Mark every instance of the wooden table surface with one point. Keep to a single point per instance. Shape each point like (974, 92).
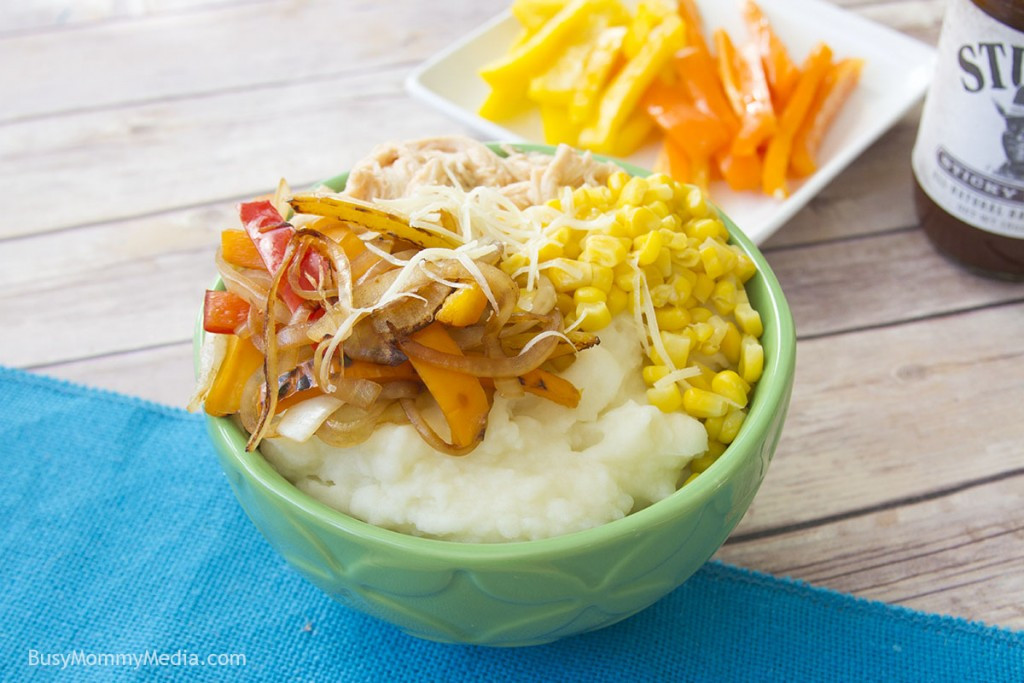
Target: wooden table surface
(129, 131)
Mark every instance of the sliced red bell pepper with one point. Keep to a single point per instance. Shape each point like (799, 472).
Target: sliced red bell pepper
(223, 312)
(271, 233)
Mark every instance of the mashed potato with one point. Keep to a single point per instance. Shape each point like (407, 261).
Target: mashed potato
(543, 470)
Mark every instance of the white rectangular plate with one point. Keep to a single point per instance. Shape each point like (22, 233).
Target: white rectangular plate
(896, 74)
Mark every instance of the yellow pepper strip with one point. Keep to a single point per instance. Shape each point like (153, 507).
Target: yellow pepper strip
(533, 14)
(599, 66)
(240, 360)
(370, 216)
(461, 397)
(621, 97)
(776, 158)
(463, 307)
(552, 387)
(513, 71)
(557, 84)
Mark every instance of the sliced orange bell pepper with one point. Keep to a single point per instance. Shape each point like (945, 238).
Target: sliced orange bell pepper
(359, 369)
(745, 85)
(238, 250)
(699, 132)
(836, 87)
(780, 69)
(552, 387)
(776, 160)
(461, 397)
(240, 360)
(740, 172)
(694, 25)
(697, 73)
(672, 160)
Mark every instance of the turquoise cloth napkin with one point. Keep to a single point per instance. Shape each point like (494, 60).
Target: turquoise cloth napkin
(125, 556)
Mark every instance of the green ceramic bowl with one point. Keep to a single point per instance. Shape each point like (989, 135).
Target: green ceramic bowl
(530, 592)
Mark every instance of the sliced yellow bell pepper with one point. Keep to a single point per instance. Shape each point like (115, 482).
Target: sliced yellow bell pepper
(600, 64)
(621, 96)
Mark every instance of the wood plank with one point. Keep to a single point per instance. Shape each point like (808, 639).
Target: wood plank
(883, 415)
(24, 16)
(161, 374)
(229, 48)
(961, 553)
(102, 166)
(877, 280)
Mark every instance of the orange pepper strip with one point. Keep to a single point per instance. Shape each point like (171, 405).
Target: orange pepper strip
(836, 87)
(746, 86)
(740, 172)
(552, 387)
(672, 160)
(776, 160)
(697, 131)
(697, 73)
(694, 31)
(240, 360)
(238, 250)
(782, 72)
(461, 397)
(359, 369)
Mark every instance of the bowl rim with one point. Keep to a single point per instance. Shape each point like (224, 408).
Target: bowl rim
(770, 393)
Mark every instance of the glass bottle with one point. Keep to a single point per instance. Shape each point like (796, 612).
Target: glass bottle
(968, 159)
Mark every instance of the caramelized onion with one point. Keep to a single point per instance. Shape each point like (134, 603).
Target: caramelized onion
(481, 366)
(427, 433)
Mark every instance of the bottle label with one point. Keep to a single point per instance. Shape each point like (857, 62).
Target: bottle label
(969, 154)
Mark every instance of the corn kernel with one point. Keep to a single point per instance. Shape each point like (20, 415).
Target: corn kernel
(550, 250)
(723, 296)
(695, 203)
(700, 314)
(617, 180)
(683, 284)
(717, 258)
(604, 250)
(664, 262)
(659, 188)
(749, 320)
(671, 222)
(632, 193)
(567, 275)
(667, 399)
(652, 373)
(513, 263)
(653, 275)
(715, 448)
(618, 300)
(593, 316)
(702, 462)
(705, 228)
(701, 403)
(647, 247)
(624, 276)
(751, 363)
(702, 330)
(602, 277)
(663, 295)
(713, 426)
(703, 287)
(730, 345)
(640, 221)
(564, 303)
(589, 295)
(672, 318)
(677, 346)
(703, 380)
(730, 385)
(745, 267)
(731, 424)
(659, 208)
(691, 478)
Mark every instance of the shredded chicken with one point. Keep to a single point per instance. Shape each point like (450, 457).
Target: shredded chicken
(395, 169)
